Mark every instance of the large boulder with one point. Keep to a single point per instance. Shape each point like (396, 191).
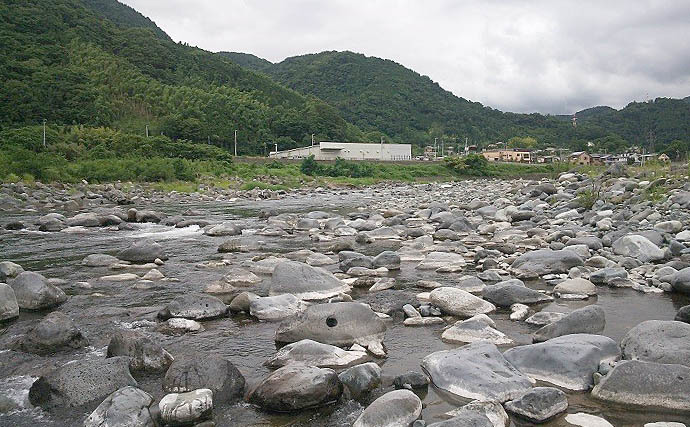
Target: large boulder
(466, 418)
(86, 219)
(477, 328)
(387, 259)
(194, 306)
(126, 407)
(505, 295)
(586, 320)
(143, 251)
(99, 260)
(9, 309)
(681, 281)
(186, 409)
(539, 404)
(54, 333)
(296, 387)
(568, 361)
(683, 314)
(144, 353)
(395, 408)
(305, 282)
(658, 341)
(9, 270)
(636, 246)
(81, 382)
(605, 276)
(312, 353)
(436, 260)
(577, 286)
(275, 308)
(476, 371)
(33, 292)
(457, 302)
(545, 261)
(361, 379)
(646, 385)
(205, 370)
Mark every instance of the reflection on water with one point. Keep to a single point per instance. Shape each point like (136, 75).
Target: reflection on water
(106, 306)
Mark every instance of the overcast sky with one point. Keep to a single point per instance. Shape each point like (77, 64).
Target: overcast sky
(546, 56)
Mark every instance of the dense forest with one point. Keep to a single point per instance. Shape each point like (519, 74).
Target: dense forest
(381, 95)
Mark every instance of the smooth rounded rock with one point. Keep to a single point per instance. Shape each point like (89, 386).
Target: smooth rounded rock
(143, 352)
(457, 302)
(9, 309)
(205, 370)
(587, 320)
(126, 407)
(183, 409)
(539, 404)
(54, 333)
(33, 292)
(143, 251)
(312, 353)
(361, 379)
(395, 408)
(194, 306)
(305, 282)
(658, 341)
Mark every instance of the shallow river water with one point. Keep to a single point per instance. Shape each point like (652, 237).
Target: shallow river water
(243, 340)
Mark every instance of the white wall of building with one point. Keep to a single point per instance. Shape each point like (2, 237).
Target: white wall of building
(349, 151)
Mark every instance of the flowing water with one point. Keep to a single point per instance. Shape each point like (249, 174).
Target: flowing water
(246, 342)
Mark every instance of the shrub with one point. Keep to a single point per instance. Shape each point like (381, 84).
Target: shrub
(472, 164)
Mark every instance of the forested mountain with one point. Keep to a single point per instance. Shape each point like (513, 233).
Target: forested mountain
(247, 60)
(100, 63)
(377, 94)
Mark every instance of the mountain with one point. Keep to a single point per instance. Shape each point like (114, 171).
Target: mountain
(247, 60)
(100, 63)
(377, 94)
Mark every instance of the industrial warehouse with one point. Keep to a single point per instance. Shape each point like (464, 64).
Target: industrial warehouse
(348, 151)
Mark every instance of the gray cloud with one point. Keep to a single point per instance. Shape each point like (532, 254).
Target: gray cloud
(546, 56)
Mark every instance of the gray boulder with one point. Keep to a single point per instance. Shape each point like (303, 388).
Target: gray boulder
(457, 302)
(395, 408)
(658, 341)
(224, 229)
(9, 270)
(639, 247)
(126, 407)
(305, 282)
(539, 404)
(81, 382)
(681, 281)
(296, 387)
(33, 292)
(411, 380)
(312, 353)
(568, 361)
(545, 261)
(683, 314)
(505, 295)
(606, 275)
(577, 286)
(646, 385)
(361, 379)
(586, 320)
(54, 333)
(143, 251)
(349, 259)
(466, 418)
(86, 219)
(476, 371)
(185, 409)
(275, 308)
(387, 259)
(194, 306)
(9, 309)
(205, 370)
(99, 260)
(144, 353)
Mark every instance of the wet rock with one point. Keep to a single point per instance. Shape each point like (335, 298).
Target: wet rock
(490, 409)
(646, 385)
(33, 292)
(143, 251)
(9, 270)
(544, 318)
(205, 370)
(476, 371)
(411, 381)
(475, 329)
(638, 247)
(435, 260)
(241, 303)
(99, 260)
(683, 314)
(305, 281)
(14, 226)
(587, 320)
(275, 308)
(395, 408)
(183, 409)
(296, 387)
(576, 286)
(681, 281)
(194, 306)
(519, 312)
(144, 353)
(539, 404)
(457, 302)
(340, 324)
(387, 259)
(87, 219)
(224, 229)
(54, 333)
(51, 225)
(586, 420)
(361, 379)
(505, 295)
(317, 259)
(658, 341)
(81, 382)
(568, 361)
(312, 353)
(545, 261)
(126, 407)
(606, 275)
(9, 309)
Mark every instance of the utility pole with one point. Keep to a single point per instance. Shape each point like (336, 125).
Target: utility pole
(435, 155)
(381, 149)
(443, 152)
(236, 143)
(147, 131)
(44, 133)
(312, 139)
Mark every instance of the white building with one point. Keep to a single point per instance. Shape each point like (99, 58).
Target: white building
(348, 151)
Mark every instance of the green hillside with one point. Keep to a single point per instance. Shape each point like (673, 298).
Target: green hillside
(377, 94)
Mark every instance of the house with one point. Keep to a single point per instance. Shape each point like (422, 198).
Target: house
(516, 155)
(664, 158)
(580, 158)
(348, 151)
